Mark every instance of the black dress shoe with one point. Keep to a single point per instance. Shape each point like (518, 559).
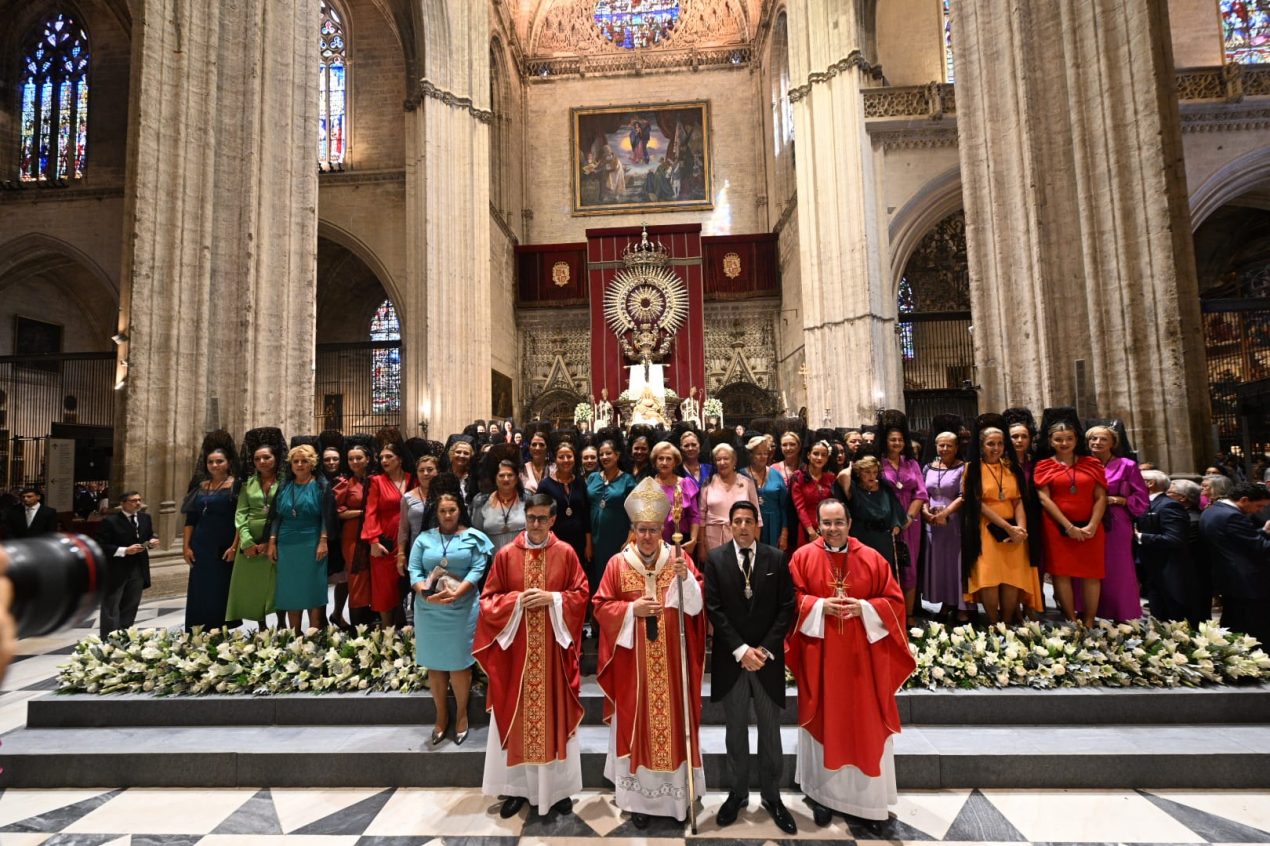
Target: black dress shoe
(822, 815)
(511, 806)
(730, 808)
(564, 806)
(640, 821)
(783, 819)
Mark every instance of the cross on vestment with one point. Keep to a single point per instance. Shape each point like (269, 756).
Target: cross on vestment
(839, 589)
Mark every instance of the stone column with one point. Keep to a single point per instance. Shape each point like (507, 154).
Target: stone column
(221, 230)
(447, 325)
(1081, 267)
(848, 311)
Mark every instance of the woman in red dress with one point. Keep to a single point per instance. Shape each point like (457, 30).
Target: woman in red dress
(809, 486)
(350, 504)
(383, 518)
(1072, 487)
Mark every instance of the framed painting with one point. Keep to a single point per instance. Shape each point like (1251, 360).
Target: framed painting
(641, 158)
(36, 338)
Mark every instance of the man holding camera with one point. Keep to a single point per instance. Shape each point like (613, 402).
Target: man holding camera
(126, 539)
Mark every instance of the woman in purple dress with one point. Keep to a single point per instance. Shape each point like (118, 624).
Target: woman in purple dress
(683, 494)
(941, 570)
(1127, 500)
(905, 477)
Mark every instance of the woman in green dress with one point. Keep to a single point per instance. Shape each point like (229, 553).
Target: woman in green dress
(251, 585)
(303, 521)
(876, 514)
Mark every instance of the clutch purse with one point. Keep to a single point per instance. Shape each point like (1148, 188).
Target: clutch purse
(999, 534)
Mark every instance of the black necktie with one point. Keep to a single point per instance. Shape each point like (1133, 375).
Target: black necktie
(748, 569)
(136, 530)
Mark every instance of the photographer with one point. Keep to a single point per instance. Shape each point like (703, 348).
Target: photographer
(126, 539)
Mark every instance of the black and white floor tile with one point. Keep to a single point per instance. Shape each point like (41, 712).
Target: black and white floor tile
(418, 817)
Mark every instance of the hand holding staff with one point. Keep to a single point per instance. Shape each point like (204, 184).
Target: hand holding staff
(681, 572)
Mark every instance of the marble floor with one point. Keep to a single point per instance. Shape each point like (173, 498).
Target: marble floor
(463, 817)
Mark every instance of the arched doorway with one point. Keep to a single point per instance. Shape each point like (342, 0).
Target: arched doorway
(58, 372)
(744, 401)
(1232, 257)
(936, 349)
(555, 405)
(357, 384)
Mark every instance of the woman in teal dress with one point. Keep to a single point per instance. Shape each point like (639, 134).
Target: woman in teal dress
(251, 585)
(446, 607)
(303, 520)
(607, 489)
(773, 495)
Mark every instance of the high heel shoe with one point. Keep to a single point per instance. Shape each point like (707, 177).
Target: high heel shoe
(460, 736)
(437, 736)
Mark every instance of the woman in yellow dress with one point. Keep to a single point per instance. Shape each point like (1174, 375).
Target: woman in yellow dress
(994, 532)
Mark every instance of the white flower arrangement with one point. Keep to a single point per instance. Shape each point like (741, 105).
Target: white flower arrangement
(713, 407)
(1037, 655)
(177, 663)
(1148, 653)
(582, 412)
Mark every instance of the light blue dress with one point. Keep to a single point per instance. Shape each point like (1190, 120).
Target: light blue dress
(301, 576)
(444, 633)
(773, 505)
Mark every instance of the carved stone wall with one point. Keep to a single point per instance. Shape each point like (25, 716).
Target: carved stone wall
(741, 343)
(555, 354)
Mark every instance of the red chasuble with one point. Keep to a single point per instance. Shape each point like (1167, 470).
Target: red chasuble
(642, 686)
(846, 685)
(534, 685)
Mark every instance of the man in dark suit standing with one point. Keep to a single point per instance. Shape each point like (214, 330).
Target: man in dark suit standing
(1239, 552)
(1164, 553)
(30, 517)
(126, 539)
(750, 600)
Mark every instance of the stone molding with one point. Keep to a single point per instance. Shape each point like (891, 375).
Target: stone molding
(1225, 120)
(635, 62)
(916, 138)
(425, 88)
(791, 208)
(360, 177)
(59, 195)
(854, 59)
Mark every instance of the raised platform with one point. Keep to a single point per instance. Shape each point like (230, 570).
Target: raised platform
(1206, 738)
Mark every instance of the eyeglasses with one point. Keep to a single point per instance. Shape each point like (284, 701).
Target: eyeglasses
(833, 524)
(538, 518)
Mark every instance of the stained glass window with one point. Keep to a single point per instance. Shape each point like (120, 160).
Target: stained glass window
(54, 131)
(332, 88)
(385, 376)
(948, 56)
(1246, 30)
(907, 350)
(636, 23)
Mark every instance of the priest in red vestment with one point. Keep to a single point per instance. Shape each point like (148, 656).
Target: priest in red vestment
(849, 651)
(528, 638)
(636, 608)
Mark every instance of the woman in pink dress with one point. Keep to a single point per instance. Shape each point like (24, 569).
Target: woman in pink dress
(1127, 500)
(681, 491)
(725, 487)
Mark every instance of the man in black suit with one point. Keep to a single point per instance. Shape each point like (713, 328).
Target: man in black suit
(126, 539)
(30, 517)
(1164, 553)
(750, 600)
(1239, 552)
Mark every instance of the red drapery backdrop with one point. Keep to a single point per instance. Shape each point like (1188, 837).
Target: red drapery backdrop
(686, 363)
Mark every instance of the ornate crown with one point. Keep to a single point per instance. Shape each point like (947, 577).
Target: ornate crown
(646, 253)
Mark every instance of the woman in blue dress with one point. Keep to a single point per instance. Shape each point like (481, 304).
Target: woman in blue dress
(304, 518)
(773, 496)
(446, 567)
(607, 489)
(211, 543)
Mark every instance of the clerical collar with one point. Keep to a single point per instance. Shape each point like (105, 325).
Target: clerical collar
(843, 548)
(529, 544)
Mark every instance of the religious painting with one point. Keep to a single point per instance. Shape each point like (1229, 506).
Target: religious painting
(37, 338)
(641, 158)
(501, 394)
(333, 411)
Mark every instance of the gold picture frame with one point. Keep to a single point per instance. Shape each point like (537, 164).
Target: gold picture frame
(640, 158)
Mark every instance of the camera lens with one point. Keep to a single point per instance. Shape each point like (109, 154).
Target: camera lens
(56, 581)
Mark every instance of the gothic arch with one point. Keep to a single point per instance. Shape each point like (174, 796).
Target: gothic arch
(937, 199)
(555, 405)
(339, 235)
(23, 248)
(37, 259)
(744, 401)
(1232, 180)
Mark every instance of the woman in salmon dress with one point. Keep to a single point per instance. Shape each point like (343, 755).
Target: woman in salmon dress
(994, 538)
(350, 505)
(1072, 487)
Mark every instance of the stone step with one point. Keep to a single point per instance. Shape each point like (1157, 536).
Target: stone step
(357, 755)
(1008, 707)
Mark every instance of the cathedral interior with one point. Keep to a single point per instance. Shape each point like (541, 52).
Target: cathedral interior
(921, 204)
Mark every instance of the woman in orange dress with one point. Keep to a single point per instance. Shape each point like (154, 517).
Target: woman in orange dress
(994, 536)
(1072, 487)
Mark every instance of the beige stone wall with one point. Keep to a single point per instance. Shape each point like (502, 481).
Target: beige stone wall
(1196, 33)
(736, 147)
(910, 39)
(367, 214)
(377, 85)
